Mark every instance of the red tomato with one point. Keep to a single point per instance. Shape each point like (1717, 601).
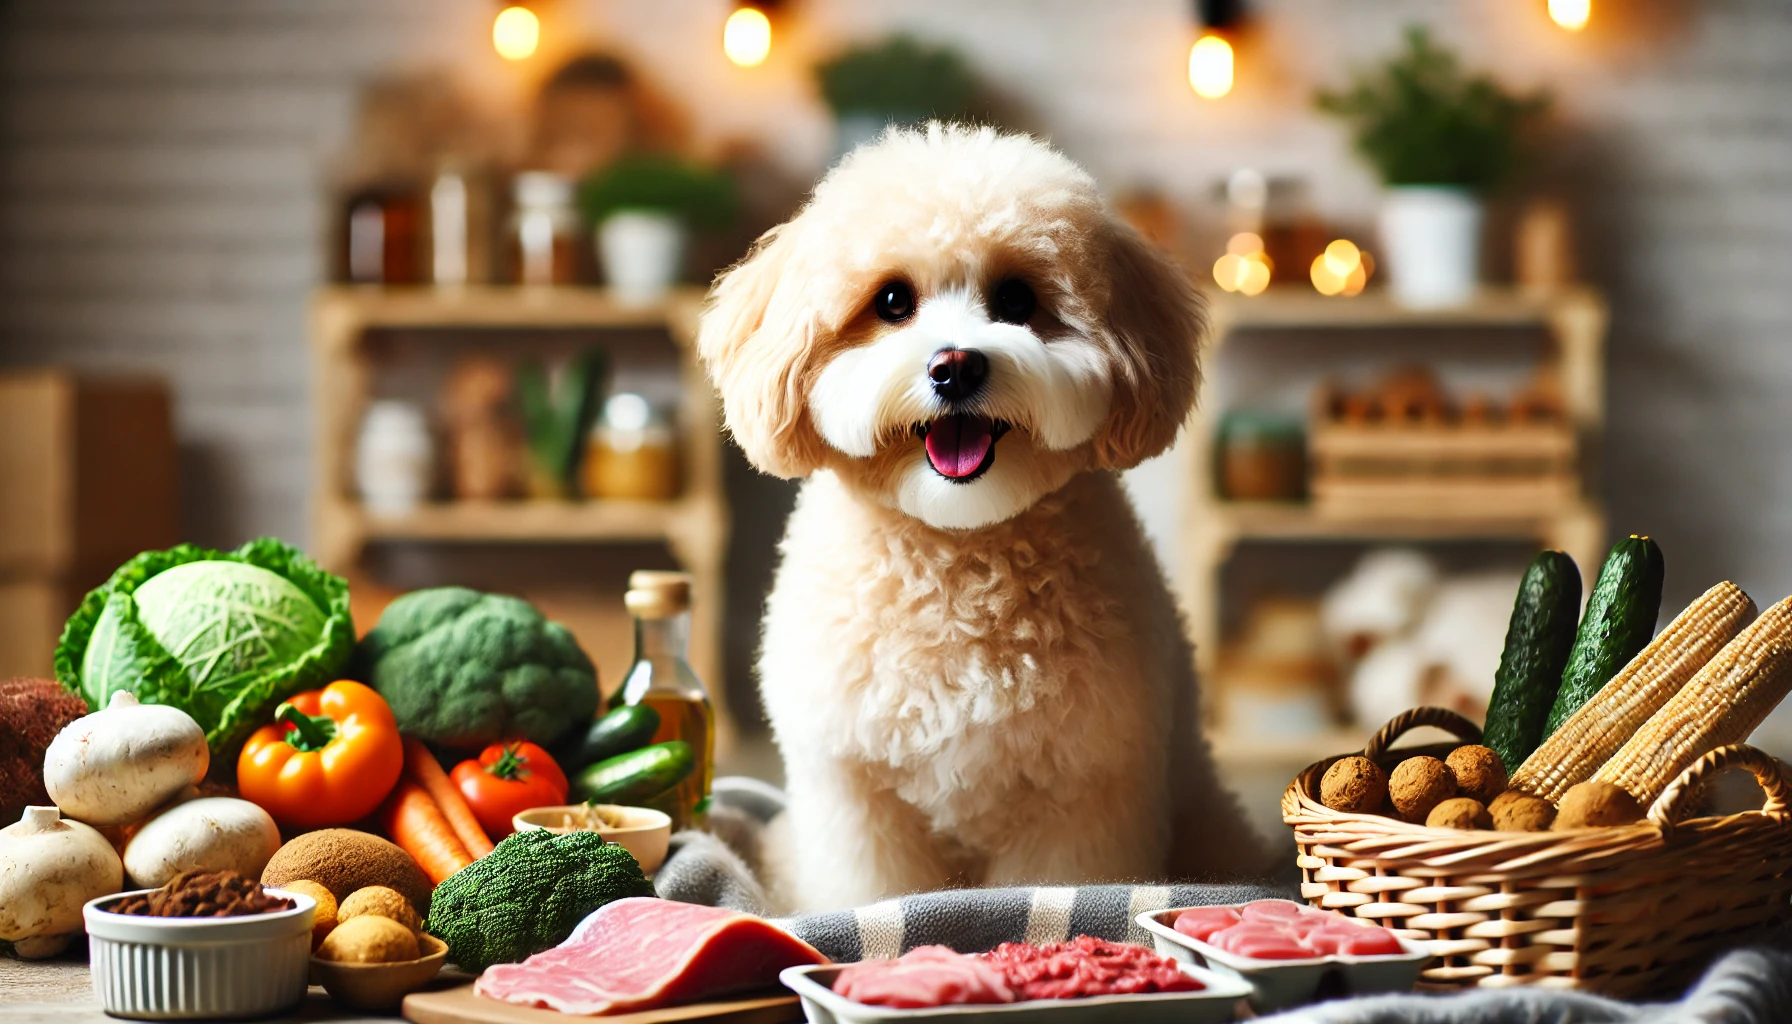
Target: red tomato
(509, 778)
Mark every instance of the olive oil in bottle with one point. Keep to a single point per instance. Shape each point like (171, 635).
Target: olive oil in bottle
(661, 678)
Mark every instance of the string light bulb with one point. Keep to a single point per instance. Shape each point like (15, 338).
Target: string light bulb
(1211, 60)
(747, 37)
(1210, 67)
(516, 33)
(1571, 14)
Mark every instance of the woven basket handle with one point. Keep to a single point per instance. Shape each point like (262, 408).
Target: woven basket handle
(1766, 769)
(1406, 721)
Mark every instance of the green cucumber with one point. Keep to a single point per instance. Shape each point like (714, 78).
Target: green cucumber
(1537, 643)
(635, 776)
(1619, 621)
(627, 728)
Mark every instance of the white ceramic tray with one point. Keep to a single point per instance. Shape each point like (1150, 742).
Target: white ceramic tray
(1278, 984)
(183, 968)
(1216, 1003)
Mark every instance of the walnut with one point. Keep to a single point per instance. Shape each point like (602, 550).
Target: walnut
(1418, 784)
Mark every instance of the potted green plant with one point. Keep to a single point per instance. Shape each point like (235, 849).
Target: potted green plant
(643, 207)
(1441, 139)
(900, 80)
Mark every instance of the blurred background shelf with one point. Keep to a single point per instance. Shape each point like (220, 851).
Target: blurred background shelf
(543, 521)
(571, 556)
(1233, 521)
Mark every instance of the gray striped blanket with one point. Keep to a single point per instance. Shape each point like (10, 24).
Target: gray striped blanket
(1744, 987)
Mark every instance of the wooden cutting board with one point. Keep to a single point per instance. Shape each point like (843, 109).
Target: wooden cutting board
(459, 1005)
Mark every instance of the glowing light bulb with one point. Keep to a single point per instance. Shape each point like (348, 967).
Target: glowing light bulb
(1210, 67)
(1571, 14)
(516, 33)
(1342, 256)
(747, 37)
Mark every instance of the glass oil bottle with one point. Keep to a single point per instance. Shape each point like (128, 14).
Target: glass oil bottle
(661, 678)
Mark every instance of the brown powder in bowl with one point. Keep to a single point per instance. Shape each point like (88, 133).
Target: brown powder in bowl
(204, 894)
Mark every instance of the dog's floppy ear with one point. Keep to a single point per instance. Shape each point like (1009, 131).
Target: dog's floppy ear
(1155, 321)
(756, 348)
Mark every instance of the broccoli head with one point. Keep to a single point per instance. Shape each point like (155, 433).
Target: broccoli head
(463, 668)
(528, 895)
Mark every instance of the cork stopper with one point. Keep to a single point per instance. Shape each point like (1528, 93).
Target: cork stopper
(658, 595)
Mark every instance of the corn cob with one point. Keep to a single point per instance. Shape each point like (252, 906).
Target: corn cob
(1594, 732)
(1721, 705)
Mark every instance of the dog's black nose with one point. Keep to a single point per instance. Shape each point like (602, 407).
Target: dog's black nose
(957, 373)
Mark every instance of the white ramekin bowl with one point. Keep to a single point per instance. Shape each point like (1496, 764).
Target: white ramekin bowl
(642, 831)
(183, 968)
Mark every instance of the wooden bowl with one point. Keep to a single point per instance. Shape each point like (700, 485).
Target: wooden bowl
(380, 986)
(643, 832)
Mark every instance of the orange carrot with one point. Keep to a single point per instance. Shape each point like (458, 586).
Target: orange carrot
(421, 767)
(416, 824)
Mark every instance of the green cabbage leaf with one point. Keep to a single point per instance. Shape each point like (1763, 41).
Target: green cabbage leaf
(224, 636)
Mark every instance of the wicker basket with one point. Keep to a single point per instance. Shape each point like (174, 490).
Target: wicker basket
(1621, 911)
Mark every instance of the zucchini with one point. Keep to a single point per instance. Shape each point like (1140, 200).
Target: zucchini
(635, 776)
(627, 728)
(1619, 621)
(1537, 643)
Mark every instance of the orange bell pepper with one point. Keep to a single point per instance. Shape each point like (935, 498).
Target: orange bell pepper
(329, 758)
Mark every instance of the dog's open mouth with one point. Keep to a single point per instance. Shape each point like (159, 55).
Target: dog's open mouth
(961, 447)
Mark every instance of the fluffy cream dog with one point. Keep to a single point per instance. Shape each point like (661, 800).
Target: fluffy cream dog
(972, 665)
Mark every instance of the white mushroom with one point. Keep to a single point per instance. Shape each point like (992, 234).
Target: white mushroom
(213, 833)
(49, 868)
(115, 766)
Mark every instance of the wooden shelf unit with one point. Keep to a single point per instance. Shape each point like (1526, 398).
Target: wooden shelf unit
(694, 527)
(1575, 322)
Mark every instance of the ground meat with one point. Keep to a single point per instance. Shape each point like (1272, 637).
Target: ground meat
(1086, 966)
(204, 894)
(1012, 972)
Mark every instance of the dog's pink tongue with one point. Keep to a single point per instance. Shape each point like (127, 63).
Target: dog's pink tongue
(957, 445)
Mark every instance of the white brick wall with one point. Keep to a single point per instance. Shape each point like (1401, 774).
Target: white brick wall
(162, 166)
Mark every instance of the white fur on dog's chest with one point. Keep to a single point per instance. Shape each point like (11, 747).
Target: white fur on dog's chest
(977, 676)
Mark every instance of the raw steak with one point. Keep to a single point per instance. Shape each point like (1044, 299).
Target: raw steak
(641, 953)
(924, 976)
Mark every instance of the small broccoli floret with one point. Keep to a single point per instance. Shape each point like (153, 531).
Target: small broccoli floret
(463, 668)
(528, 895)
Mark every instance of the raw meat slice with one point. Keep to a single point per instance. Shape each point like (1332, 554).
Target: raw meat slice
(1271, 910)
(1260, 942)
(641, 953)
(924, 976)
(1201, 922)
(1354, 940)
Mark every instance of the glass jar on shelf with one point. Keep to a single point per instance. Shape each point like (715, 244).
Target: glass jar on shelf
(544, 230)
(662, 679)
(1261, 456)
(633, 452)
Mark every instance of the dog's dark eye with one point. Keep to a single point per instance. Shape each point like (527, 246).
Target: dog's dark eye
(1012, 302)
(895, 302)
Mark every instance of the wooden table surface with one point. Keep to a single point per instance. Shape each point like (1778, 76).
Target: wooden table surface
(60, 992)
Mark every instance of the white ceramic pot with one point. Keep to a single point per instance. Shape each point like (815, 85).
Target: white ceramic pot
(394, 459)
(1431, 241)
(642, 252)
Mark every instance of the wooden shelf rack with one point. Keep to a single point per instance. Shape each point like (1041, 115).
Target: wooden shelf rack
(694, 527)
(1574, 321)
